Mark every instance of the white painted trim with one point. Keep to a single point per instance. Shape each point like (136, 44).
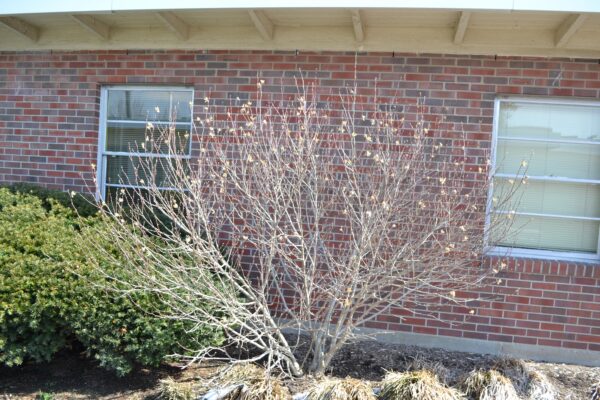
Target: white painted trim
(100, 164)
(151, 87)
(21, 27)
(523, 252)
(358, 25)
(568, 29)
(139, 122)
(109, 6)
(524, 139)
(175, 24)
(550, 179)
(541, 215)
(515, 252)
(102, 153)
(461, 26)
(146, 155)
(549, 100)
(262, 23)
(172, 189)
(93, 25)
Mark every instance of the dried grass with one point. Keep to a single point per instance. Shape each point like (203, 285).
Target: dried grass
(421, 363)
(416, 385)
(341, 389)
(170, 389)
(595, 395)
(260, 385)
(489, 385)
(516, 370)
(540, 388)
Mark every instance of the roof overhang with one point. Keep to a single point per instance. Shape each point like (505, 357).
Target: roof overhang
(103, 6)
(548, 28)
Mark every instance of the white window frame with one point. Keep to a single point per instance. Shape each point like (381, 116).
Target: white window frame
(535, 253)
(101, 165)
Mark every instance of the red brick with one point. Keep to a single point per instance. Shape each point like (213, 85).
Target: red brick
(550, 300)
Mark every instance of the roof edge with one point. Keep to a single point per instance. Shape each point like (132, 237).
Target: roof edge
(110, 6)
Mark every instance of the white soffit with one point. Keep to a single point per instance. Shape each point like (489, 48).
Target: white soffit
(549, 28)
(8, 7)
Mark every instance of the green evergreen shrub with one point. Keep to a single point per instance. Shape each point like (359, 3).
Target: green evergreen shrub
(51, 295)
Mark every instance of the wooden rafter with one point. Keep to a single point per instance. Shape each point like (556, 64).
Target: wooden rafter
(263, 24)
(174, 23)
(21, 27)
(358, 26)
(461, 27)
(93, 25)
(568, 28)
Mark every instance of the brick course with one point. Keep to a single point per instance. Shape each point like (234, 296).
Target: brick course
(49, 112)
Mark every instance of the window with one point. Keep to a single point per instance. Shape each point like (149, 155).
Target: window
(557, 213)
(141, 126)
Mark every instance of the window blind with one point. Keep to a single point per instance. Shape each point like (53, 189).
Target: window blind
(559, 208)
(144, 129)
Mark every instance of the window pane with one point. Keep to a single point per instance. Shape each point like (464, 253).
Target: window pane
(128, 137)
(545, 157)
(580, 161)
(551, 234)
(139, 105)
(550, 121)
(140, 171)
(182, 106)
(557, 198)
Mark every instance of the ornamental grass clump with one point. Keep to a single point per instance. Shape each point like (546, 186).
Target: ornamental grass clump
(416, 385)
(540, 388)
(437, 368)
(489, 385)
(595, 392)
(260, 385)
(515, 370)
(341, 389)
(170, 389)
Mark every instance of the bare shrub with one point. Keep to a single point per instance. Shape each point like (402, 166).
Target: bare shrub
(416, 385)
(332, 216)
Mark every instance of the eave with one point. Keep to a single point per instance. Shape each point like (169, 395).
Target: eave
(519, 27)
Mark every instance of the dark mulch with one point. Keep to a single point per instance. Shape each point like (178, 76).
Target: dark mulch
(370, 360)
(72, 376)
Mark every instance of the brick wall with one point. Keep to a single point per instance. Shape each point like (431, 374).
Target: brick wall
(49, 110)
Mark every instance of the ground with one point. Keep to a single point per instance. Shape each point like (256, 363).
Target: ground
(72, 376)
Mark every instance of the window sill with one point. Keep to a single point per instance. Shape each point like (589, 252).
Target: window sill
(543, 254)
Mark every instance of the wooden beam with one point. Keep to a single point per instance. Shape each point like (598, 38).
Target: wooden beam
(461, 27)
(568, 28)
(263, 24)
(174, 23)
(93, 25)
(358, 25)
(21, 27)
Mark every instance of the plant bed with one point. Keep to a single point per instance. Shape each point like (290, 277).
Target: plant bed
(72, 376)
